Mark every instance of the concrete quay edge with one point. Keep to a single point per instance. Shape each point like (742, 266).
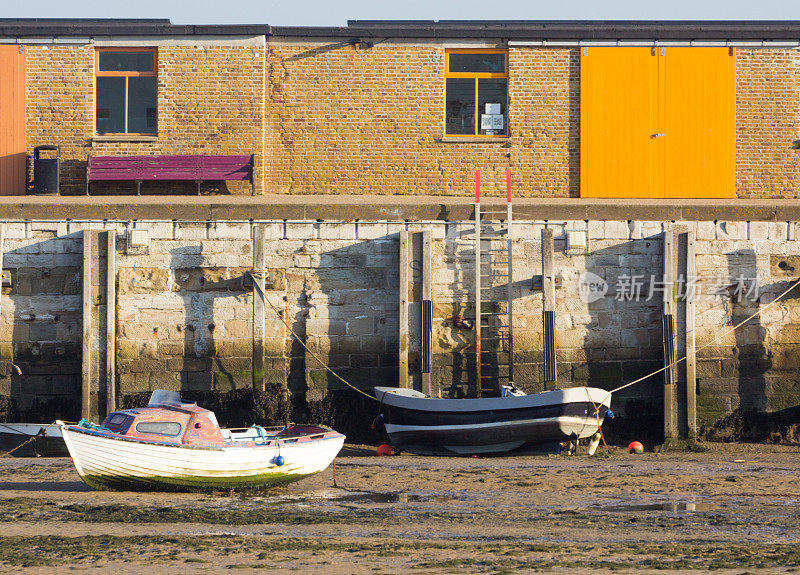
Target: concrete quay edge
(383, 208)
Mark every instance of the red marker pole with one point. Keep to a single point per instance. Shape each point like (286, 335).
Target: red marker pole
(508, 185)
(477, 186)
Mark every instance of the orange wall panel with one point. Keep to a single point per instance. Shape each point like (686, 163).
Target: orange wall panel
(657, 123)
(617, 101)
(700, 140)
(12, 120)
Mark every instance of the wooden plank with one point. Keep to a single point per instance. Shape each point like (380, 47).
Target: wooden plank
(427, 307)
(691, 360)
(668, 322)
(510, 284)
(403, 311)
(548, 308)
(259, 304)
(111, 321)
(13, 155)
(189, 168)
(2, 252)
(478, 352)
(86, 355)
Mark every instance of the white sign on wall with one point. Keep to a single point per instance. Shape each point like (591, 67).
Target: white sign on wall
(491, 121)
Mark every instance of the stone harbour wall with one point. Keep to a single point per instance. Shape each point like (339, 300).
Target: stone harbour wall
(184, 311)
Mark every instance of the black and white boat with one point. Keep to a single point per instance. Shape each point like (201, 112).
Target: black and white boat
(425, 425)
(48, 441)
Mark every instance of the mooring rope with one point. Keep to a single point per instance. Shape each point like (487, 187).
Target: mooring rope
(712, 342)
(42, 433)
(260, 274)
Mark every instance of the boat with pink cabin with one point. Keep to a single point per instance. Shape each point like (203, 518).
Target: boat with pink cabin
(177, 446)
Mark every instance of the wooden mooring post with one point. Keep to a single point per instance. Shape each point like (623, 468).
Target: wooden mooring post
(680, 410)
(416, 310)
(111, 321)
(548, 309)
(86, 355)
(691, 360)
(259, 304)
(669, 336)
(426, 354)
(403, 315)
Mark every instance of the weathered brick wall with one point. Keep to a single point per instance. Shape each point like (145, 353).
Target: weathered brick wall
(767, 122)
(348, 121)
(210, 101)
(544, 106)
(372, 121)
(339, 120)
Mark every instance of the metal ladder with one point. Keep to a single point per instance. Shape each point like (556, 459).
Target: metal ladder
(494, 351)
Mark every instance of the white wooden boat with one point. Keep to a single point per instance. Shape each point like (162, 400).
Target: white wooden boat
(47, 443)
(426, 425)
(171, 445)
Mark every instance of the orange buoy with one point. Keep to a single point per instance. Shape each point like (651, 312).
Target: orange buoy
(635, 447)
(384, 450)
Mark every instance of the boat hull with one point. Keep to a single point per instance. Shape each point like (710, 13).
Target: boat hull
(51, 444)
(112, 463)
(430, 426)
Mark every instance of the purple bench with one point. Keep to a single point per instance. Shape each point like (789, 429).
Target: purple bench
(177, 168)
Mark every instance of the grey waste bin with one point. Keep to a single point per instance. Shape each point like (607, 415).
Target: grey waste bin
(46, 171)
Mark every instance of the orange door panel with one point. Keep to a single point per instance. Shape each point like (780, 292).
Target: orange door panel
(657, 123)
(700, 125)
(12, 120)
(617, 108)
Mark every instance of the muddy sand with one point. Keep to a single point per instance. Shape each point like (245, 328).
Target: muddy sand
(733, 509)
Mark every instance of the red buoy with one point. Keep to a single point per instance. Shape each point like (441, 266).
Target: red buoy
(384, 450)
(635, 447)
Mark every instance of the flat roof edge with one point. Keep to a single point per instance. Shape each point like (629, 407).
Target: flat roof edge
(606, 30)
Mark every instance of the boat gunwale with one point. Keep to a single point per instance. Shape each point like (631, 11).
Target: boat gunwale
(111, 435)
(471, 405)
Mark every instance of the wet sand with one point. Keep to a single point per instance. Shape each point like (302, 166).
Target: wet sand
(733, 509)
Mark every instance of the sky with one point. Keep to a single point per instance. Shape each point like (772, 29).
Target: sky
(337, 12)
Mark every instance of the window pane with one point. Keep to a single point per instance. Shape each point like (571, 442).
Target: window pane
(460, 109)
(110, 105)
(493, 63)
(492, 105)
(125, 61)
(142, 105)
(170, 428)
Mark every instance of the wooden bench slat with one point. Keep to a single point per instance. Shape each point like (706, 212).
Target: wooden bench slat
(201, 167)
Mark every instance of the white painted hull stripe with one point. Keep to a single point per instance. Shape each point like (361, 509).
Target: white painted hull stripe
(563, 420)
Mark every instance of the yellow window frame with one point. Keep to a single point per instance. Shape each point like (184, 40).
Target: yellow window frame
(477, 76)
(123, 74)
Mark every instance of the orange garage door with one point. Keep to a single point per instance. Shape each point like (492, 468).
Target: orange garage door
(12, 120)
(657, 123)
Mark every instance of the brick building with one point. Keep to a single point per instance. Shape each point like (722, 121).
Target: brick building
(390, 108)
(360, 135)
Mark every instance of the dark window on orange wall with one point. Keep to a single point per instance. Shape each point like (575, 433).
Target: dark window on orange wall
(170, 428)
(476, 93)
(126, 91)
